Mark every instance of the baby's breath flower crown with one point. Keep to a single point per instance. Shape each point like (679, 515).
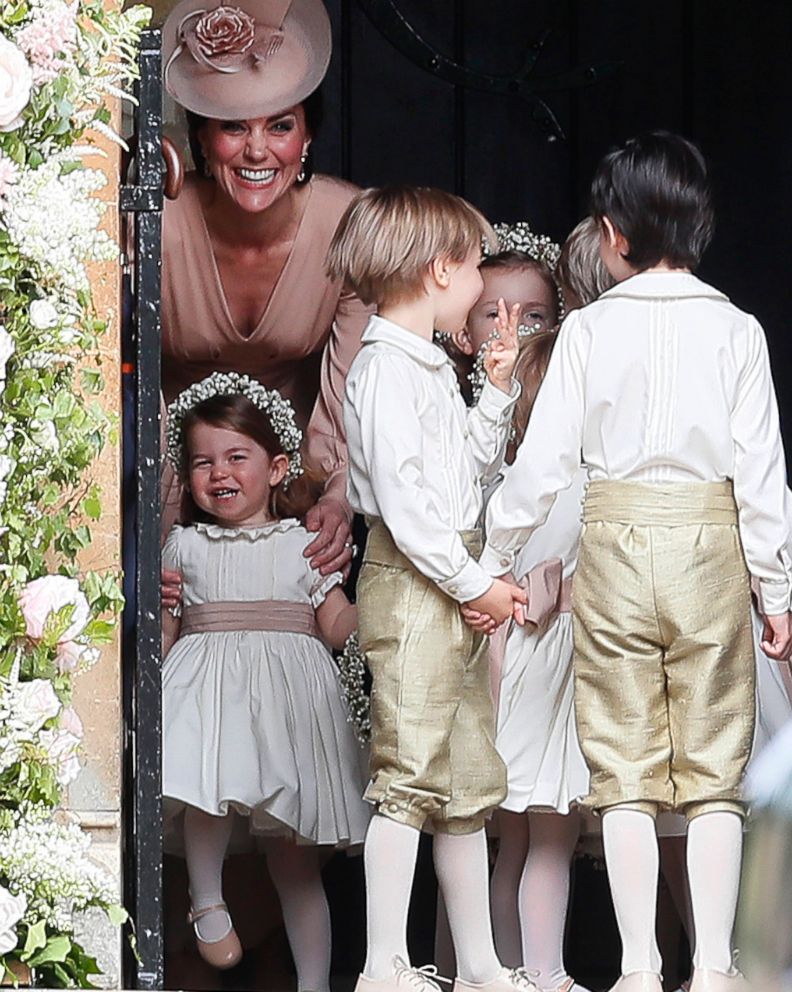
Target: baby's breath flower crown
(278, 411)
(520, 237)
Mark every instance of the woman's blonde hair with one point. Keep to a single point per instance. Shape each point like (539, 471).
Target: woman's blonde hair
(388, 237)
(529, 371)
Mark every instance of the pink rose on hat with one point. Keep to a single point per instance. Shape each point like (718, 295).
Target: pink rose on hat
(16, 78)
(50, 594)
(225, 31)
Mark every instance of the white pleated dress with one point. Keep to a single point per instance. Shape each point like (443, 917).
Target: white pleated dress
(536, 732)
(254, 720)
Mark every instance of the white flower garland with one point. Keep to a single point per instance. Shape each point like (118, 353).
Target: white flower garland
(352, 675)
(279, 412)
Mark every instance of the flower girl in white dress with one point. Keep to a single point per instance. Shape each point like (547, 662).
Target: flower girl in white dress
(253, 716)
(538, 822)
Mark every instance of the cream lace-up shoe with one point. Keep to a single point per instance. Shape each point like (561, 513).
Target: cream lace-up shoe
(706, 980)
(639, 981)
(509, 980)
(405, 978)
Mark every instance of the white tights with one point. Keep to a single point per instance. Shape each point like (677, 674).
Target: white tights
(714, 856)
(530, 891)
(632, 858)
(461, 866)
(296, 875)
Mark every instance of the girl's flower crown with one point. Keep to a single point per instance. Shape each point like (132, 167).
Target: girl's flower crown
(520, 237)
(279, 412)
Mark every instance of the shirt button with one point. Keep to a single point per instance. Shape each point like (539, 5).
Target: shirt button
(505, 561)
(453, 590)
(466, 433)
(393, 807)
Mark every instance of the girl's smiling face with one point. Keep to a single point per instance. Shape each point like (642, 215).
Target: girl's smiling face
(231, 476)
(524, 285)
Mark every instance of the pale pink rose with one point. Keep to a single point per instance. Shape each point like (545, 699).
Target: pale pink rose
(68, 656)
(12, 909)
(50, 594)
(71, 723)
(16, 78)
(36, 703)
(225, 31)
(62, 750)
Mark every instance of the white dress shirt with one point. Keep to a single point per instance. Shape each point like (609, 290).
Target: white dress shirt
(417, 456)
(660, 380)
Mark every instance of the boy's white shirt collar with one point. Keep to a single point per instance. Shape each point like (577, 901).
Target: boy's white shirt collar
(662, 285)
(423, 351)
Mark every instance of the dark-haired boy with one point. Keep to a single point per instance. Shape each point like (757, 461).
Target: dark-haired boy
(665, 389)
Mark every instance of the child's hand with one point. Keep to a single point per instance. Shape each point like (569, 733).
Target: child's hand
(502, 351)
(501, 601)
(777, 638)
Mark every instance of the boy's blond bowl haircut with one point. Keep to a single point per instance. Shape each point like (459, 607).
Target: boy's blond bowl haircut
(388, 237)
(580, 270)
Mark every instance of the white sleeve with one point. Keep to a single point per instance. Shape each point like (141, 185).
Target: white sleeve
(760, 483)
(385, 402)
(171, 551)
(548, 458)
(489, 424)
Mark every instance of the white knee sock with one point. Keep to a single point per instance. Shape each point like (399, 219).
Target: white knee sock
(295, 873)
(632, 858)
(389, 856)
(462, 872)
(505, 885)
(714, 855)
(444, 957)
(205, 841)
(544, 895)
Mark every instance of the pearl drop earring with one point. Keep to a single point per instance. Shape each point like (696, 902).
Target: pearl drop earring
(301, 173)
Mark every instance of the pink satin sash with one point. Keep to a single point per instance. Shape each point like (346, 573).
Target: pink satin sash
(276, 615)
(549, 594)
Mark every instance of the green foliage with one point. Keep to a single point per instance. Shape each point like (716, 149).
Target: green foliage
(52, 429)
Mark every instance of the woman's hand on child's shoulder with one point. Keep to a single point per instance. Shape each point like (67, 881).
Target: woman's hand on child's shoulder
(170, 589)
(502, 351)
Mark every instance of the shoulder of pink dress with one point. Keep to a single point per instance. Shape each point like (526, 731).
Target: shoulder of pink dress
(333, 194)
(177, 212)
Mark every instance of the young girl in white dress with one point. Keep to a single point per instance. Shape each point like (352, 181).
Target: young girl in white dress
(536, 734)
(537, 738)
(253, 717)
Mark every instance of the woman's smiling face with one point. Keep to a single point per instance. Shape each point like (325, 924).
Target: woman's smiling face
(254, 162)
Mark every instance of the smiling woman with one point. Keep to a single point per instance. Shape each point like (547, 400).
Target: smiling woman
(244, 287)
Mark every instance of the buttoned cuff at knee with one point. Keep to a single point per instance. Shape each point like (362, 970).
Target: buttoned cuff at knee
(692, 810)
(459, 825)
(640, 806)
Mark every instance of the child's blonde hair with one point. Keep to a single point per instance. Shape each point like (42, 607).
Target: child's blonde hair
(529, 371)
(580, 271)
(388, 237)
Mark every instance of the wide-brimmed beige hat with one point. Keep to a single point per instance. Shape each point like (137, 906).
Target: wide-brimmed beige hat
(249, 58)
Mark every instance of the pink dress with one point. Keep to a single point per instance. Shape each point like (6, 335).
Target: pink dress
(306, 337)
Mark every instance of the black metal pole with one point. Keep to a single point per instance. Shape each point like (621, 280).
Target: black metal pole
(144, 199)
